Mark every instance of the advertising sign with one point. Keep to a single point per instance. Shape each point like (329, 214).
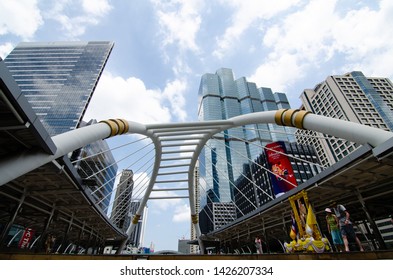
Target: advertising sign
(283, 178)
(26, 238)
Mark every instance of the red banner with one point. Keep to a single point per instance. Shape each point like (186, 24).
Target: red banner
(26, 238)
(283, 178)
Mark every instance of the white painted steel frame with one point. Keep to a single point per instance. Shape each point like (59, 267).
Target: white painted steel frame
(200, 132)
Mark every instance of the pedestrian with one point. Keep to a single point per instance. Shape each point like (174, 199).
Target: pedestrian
(49, 243)
(346, 226)
(334, 230)
(258, 244)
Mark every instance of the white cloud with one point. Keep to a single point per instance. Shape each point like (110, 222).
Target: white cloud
(180, 22)
(366, 44)
(116, 97)
(96, 7)
(278, 73)
(182, 214)
(21, 18)
(174, 93)
(305, 40)
(5, 49)
(167, 205)
(246, 13)
(76, 16)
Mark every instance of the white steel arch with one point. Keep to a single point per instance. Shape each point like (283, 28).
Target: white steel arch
(194, 134)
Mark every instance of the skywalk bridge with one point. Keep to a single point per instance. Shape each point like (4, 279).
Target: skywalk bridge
(40, 188)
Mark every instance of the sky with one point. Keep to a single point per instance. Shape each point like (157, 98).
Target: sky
(162, 48)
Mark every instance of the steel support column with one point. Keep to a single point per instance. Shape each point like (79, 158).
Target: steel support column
(12, 219)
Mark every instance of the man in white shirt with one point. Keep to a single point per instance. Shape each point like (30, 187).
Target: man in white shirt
(346, 226)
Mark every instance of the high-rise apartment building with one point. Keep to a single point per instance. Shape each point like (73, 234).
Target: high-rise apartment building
(222, 97)
(352, 97)
(121, 211)
(58, 79)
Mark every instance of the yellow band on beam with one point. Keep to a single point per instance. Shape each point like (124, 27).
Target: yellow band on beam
(113, 126)
(120, 126)
(194, 219)
(298, 121)
(278, 116)
(136, 219)
(288, 117)
(126, 126)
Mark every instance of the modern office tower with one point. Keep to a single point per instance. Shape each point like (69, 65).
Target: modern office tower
(352, 97)
(256, 186)
(222, 97)
(58, 79)
(122, 202)
(97, 167)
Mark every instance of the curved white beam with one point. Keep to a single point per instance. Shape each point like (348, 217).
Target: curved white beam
(17, 165)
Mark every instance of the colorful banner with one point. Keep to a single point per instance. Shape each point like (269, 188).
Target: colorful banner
(26, 238)
(283, 178)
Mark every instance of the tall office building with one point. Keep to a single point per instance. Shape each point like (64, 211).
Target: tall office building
(352, 97)
(222, 97)
(58, 79)
(121, 211)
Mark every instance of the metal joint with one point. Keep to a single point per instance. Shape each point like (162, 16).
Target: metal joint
(298, 121)
(278, 116)
(288, 117)
(194, 219)
(136, 219)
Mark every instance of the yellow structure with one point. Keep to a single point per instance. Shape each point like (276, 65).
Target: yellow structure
(308, 236)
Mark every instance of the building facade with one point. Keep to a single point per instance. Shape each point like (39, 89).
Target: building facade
(183, 246)
(58, 79)
(256, 185)
(121, 211)
(352, 97)
(222, 97)
(224, 156)
(215, 215)
(221, 162)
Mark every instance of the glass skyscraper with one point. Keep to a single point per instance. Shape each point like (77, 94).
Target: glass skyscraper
(222, 97)
(58, 79)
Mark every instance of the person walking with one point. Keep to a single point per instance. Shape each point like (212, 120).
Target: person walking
(346, 226)
(258, 244)
(334, 230)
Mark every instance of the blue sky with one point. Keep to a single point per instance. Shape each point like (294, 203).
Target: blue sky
(163, 47)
